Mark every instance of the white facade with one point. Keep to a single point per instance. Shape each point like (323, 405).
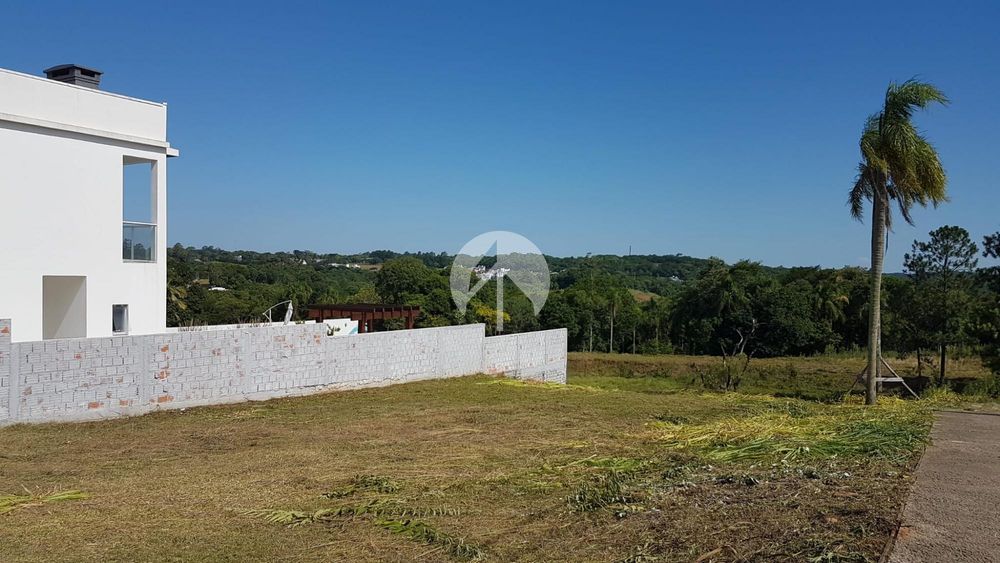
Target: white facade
(63, 155)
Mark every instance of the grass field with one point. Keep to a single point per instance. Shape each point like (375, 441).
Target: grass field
(620, 465)
(818, 377)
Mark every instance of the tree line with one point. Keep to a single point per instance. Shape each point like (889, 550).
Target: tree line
(943, 301)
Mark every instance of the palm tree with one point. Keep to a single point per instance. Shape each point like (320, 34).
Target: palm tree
(831, 299)
(177, 299)
(899, 165)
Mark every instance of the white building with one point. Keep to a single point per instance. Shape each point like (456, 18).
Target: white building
(83, 191)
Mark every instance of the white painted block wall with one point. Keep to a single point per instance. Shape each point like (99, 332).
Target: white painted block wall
(7, 392)
(88, 378)
(539, 356)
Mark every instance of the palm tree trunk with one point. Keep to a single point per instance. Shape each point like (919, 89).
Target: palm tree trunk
(875, 300)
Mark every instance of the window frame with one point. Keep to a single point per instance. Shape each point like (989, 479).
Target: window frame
(128, 252)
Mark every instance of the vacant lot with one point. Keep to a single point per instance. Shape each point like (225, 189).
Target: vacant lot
(609, 468)
(816, 377)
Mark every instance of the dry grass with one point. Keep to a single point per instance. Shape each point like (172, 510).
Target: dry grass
(30, 499)
(814, 377)
(444, 470)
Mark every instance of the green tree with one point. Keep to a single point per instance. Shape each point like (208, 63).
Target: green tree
(401, 276)
(830, 299)
(721, 308)
(790, 322)
(586, 305)
(559, 313)
(907, 325)
(942, 268)
(898, 165)
(365, 294)
(656, 322)
(990, 309)
(177, 301)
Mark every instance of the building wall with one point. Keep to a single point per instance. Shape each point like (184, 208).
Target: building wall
(62, 203)
(39, 99)
(87, 378)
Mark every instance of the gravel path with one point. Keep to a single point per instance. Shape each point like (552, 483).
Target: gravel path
(953, 512)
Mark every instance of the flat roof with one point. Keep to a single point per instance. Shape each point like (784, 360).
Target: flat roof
(83, 88)
(47, 105)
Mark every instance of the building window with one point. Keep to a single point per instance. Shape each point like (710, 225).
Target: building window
(138, 210)
(139, 242)
(119, 319)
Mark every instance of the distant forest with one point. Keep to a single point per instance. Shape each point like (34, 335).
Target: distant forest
(633, 304)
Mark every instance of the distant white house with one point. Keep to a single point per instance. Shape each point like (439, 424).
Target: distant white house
(484, 273)
(83, 187)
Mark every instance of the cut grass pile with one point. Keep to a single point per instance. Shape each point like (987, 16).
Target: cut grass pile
(11, 502)
(609, 468)
(776, 429)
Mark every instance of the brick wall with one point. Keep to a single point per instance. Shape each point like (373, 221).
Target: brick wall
(86, 378)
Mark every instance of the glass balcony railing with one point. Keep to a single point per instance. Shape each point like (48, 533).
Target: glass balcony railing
(139, 242)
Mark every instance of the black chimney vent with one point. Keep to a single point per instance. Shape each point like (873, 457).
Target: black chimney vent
(75, 74)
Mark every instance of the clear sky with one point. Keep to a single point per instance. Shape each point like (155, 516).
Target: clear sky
(702, 128)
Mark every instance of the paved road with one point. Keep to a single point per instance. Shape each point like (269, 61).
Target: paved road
(953, 512)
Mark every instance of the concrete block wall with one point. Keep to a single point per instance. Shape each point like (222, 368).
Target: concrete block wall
(60, 378)
(540, 356)
(88, 378)
(212, 366)
(384, 358)
(6, 386)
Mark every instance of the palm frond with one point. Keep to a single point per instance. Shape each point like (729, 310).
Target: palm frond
(930, 173)
(871, 142)
(902, 99)
(291, 518)
(899, 165)
(905, 204)
(863, 190)
(420, 531)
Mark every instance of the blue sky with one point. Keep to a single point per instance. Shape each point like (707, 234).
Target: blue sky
(709, 128)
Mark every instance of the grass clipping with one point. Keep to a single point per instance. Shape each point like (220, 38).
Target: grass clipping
(11, 502)
(776, 429)
(389, 513)
(420, 531)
